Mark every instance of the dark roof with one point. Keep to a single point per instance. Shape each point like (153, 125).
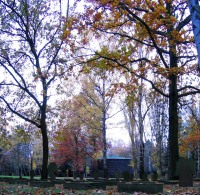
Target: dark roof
(115, 157)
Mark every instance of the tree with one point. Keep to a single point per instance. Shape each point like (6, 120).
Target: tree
(96, 94)
(119, 148)
(195, 16)
(158, 118)
(4, 133)
(16, 150)
(190, 134)
(162, 28)
(5, 139)
(79, 136)
(105, 90)
(30, 39)
(137, 105)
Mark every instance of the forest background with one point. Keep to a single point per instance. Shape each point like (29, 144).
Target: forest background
(142, 53)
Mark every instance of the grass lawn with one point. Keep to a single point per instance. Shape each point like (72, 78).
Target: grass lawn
(17, 177)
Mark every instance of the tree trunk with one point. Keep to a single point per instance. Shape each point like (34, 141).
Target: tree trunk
(105, 168)
(195, 16)
(141, 131)
(45, 143)
(173, 154)
(159, 150)
(198, 160)
(160, 137)
(141, 160)
(104, 148)
(135, 160)
(173, 150)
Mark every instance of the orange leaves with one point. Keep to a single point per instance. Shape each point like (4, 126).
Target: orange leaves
(97, 16)
(126, 26)
(128, 88)
(191, 141)
(70, 26)
(167, 72)
(79, 126)
(176, 37)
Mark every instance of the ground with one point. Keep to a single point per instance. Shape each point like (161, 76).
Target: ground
(8, 189)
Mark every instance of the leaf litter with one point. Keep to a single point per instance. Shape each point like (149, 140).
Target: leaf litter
(16, 189)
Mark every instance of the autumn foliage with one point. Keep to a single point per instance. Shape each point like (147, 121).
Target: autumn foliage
(78, 137)
(151, 40)
(191, 141)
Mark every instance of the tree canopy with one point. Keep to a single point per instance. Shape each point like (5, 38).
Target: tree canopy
(30, 59)
(140, 43)
(160, 28)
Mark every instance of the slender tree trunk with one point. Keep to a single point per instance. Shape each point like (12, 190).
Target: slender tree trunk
(104, 111)
(105, 151)
(131, 126)
(141, 160)
(160, 137)
(18, 162)
(135, 159)
(104, 134)
(159, 150)
(141, 132)
(198, 160)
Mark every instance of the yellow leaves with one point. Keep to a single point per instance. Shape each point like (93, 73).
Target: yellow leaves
(191, 140)
(117, 15)
(70, 25)
(34, 166)
(172, 19)
(159, 10)
(66, 34)
(59, 136)
(176, 71)
(128, 2)
(130, 88)
(154, 17)
(176, 36)
(166, 72)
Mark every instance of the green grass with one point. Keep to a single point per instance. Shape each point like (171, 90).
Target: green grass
(17, 177)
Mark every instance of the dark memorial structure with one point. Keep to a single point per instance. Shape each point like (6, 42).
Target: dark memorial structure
(116, 166)
(185, 170)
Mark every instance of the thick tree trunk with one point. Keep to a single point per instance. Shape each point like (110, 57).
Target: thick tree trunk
(195, 16)
(173, 154)
(44, 173)
(44, 132)
(173, 149)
